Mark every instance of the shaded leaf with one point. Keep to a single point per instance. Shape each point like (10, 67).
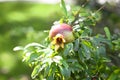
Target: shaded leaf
(65, 64)
(65, 72)
(67, 49)
(33, 57)
(86, 49)
(76, 45)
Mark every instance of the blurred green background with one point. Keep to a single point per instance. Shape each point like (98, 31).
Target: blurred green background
(24, 22)
(20, 24)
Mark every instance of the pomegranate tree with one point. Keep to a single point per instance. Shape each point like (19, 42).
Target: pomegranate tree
(84, 58)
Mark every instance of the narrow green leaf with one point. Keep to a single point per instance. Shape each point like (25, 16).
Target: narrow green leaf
(47, 70)
(81, 54)
(37, 70)
(76, 45)
(18, 48)
(34, 45)
(65, 64)
(64, 7)
(107, 32)
(86, 49)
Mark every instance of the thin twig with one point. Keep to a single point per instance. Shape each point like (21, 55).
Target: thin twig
(100, 8)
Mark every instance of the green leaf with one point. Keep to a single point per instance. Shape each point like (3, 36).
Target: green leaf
(107, 32)
(80, 54)
(64, 63)
(115, 75)
(57, 59)
(116, 44)
(50, 77)
(47, 70)
(18, 48)
(67, 49)
(33, 57)
(76, 45)
(37, 70)
(34, 45)
(86, 49)
(101, 50)
(64, 7)
(72, 60)
(101, 40)
(65, 72)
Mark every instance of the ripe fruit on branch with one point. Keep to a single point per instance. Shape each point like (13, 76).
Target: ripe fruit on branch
(61, 34)
(64, 29)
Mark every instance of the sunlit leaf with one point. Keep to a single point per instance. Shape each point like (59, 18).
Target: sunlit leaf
(57, 59)
(115, 75)
(107, 33)
(34, 45)
(18, 48)
(35, 71)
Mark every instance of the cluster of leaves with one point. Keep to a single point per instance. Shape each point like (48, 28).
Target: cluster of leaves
(116, 41)
(84, 58)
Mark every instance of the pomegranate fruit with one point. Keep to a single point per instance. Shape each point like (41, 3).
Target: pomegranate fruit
(61, 34)
(64, 29)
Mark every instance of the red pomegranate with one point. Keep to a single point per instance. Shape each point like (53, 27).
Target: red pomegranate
(61, 34)
(64, 29)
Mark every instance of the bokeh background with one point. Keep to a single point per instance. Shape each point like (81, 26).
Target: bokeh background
(23, 21)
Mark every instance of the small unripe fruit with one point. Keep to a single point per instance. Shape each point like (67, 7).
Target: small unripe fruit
(64, 29)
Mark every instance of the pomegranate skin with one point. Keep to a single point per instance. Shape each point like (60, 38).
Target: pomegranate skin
(63, 29)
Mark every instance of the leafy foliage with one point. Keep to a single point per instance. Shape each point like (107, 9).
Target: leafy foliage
(84, 58)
